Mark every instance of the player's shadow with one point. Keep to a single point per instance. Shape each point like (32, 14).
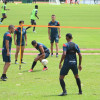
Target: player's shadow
(31, 72)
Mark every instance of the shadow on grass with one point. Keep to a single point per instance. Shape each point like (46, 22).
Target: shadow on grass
(33, 71)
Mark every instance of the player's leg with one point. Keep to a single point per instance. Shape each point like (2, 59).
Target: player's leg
(22, 51)
(75, 72)
(30, 26)
(56, 42)
(52, 42)
(3, 17)
(16, 54)
(34, 23)
(34, 63)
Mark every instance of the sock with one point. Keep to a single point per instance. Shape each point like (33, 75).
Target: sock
(34, 63)
(3, 75)
(45, 66)
(33, 28)
(2, 19)
(79, 84)
(62, 83)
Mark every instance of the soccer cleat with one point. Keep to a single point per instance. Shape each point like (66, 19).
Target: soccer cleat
(80, 93)
(63, 94)
(1, 23)
(34, 31)
(16, 62)
(31, 70)
(23, 62)
(3, 78)
(52, 55)
(44, 69)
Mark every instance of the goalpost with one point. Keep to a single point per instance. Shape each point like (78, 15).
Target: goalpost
(56, 2)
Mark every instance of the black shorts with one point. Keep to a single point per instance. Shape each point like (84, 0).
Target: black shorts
(33, 22)
(5, 57)
(55, 38)
(46, 54)
(66, 67)
(4, 14)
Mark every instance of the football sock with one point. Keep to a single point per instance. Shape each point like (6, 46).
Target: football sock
(79, 84)
(2, 19)
(45, 66)
(33, 28)
(3, 75)
(34, 63)
(62, 83)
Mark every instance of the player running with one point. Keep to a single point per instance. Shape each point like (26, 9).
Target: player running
(70, 62)
(3, 12)
(33, 17)
(17, 41)
(6, 50)
(44, 53)
(53, 34)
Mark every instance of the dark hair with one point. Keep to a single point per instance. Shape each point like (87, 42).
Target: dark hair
(33, 42)
(53, 15)
(21, 21)
(5, 2)
(36, 6)
(10, 27)
(69, 35)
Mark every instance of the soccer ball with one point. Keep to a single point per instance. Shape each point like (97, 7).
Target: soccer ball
(44, 62)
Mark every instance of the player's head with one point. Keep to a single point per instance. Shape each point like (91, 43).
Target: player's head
(5, 2)
(11, 28)
(21, 22)
(34, 43)
(53, 17)
(69, 37)
(36, 6)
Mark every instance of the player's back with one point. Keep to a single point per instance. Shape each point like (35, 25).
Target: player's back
(71, 50)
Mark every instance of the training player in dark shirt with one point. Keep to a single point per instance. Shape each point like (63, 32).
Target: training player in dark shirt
(53, 34)
(17, 41)
(6, 50)
(70, 62)
(44, 53)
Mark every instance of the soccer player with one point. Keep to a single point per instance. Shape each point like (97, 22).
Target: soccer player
(44, 53)
(33, 17)
(53, 34)
(3, 12)
(6, 50)
(76, 2)
(17, 41)
(70, 62)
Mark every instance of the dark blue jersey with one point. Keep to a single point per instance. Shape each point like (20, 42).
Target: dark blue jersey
(7, 36)
(18, 33)
(71, 50)
(44, 47)
(54, 31)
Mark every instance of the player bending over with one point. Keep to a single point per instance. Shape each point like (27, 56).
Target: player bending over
(6, 50)
(17, 41)
(70, 62)
(33, 17)
(44, 53)
(3, 12)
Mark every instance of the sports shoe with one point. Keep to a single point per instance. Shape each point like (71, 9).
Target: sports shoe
(1, 23)
(23, 62)
(16, 62)
(44, 69)
(57, 55)
(52, 55)
(80, 93)
(3, 78)
(63, 94)
(34, 31)
(31, 70)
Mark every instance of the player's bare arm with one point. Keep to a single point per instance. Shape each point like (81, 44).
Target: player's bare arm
(49, 33)
(15, 39)
(59, 32)
(36, 15)
(80, 60)
(26, 39)
(7, 47)
(62, 58)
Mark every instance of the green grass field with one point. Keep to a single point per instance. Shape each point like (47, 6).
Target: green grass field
(40, 85)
